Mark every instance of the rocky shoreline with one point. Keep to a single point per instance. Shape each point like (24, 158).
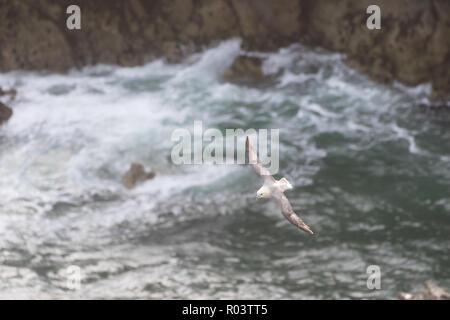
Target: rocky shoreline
(5, 111)
(430, 292)
(412, 45)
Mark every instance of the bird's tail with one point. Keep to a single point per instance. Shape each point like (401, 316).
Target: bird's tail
(285, 184)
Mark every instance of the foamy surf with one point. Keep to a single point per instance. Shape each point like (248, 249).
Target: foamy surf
(353, 150)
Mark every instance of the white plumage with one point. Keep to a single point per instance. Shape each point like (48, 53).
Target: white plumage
(275, 189)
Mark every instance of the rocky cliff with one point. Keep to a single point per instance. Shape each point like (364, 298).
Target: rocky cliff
(413, 45)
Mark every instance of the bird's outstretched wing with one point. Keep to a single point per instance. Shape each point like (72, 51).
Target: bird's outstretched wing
(256, 165)
(289, 213)
(286, 207)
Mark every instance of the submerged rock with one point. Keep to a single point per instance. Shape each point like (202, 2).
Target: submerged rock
(431, 292)
(10, 92)
(5, 113)
(136, 174)
(245, 67)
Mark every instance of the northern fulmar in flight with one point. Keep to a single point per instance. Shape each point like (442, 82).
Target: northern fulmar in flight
(274, 188)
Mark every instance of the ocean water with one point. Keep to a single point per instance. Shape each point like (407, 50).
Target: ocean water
(370, 165)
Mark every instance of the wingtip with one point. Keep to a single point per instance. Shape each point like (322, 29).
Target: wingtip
(307, 229)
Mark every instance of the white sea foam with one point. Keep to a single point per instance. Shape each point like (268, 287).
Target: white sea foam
(89, 124)
(72, 136)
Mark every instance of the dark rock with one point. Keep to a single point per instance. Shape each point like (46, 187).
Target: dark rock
(245, 67)
(10, 92)
(5, 113)
(269, 24)
(136, 174)
(412, 45)
(431, 292)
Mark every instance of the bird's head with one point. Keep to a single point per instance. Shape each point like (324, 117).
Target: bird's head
(261, 194)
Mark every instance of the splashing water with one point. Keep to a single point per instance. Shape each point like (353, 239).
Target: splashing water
(370, 169)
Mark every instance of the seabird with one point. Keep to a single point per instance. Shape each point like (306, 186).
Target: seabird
(274, 188)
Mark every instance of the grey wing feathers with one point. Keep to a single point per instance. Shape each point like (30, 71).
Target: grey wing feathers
(286, 207)
(289, 213)
(256, 165)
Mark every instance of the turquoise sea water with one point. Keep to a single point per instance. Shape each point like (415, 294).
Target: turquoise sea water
(370, 165)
